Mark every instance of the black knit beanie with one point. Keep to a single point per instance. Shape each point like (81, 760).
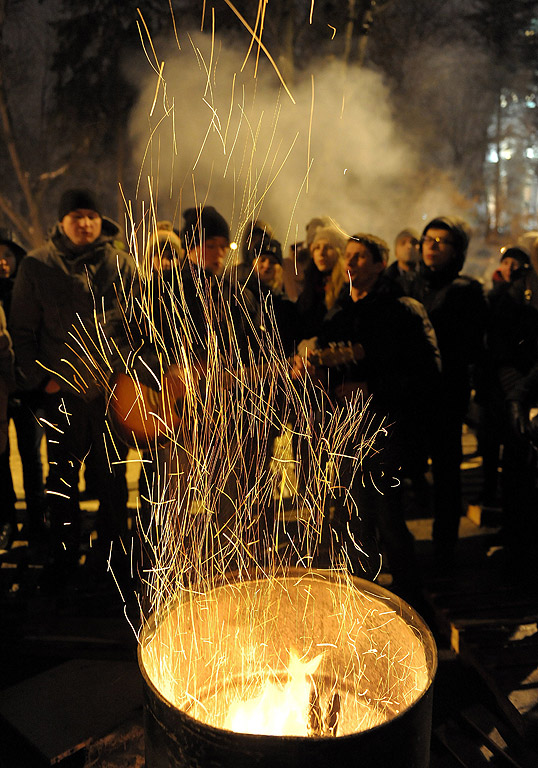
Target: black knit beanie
(516, 253)
(271, 248)
(73, 199)
(204, 222)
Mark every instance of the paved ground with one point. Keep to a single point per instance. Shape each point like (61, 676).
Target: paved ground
(484, 617)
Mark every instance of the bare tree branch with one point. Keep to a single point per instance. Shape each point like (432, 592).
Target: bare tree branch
(34, 232)
(50, 175)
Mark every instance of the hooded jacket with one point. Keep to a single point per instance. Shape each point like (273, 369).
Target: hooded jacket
(62, 291)
(7, 283)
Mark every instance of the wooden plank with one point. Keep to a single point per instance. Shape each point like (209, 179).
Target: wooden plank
(501, 635)
(502, 702)
(499, 736)
(64, 709)
(489, 638)
(487, 517)
(505, 617)
(468, 752)
(487, 606)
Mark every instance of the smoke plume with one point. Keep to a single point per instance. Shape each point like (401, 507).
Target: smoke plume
(210, 130)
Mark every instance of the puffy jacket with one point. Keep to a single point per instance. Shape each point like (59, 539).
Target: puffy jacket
(64, 298)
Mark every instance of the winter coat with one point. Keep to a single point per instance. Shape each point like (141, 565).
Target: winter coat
(7, 283)
(400, 362)
(65, 297)
(273, 311)
(191, 304)
(512, 337)
(457, 309)
(403, 279)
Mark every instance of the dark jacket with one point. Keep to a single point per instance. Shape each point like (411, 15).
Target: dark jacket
(457, 308)
(193, 309)
(7, 283)
(512, 336)
(403, 279)
(311, 304)
(399, 365)
(274, 315)
(64, 298)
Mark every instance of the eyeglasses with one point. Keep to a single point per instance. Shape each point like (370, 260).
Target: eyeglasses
(427, 240)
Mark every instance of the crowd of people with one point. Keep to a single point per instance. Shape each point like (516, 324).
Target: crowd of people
(427, 336)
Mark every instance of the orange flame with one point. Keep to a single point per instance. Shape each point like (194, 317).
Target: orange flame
(278, 710)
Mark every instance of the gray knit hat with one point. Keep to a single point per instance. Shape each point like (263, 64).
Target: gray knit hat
(333, 236)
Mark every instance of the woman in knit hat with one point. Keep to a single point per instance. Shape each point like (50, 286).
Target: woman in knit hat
(324, 279)
(273, 310)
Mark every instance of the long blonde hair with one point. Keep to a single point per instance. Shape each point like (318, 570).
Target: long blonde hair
(335, 282)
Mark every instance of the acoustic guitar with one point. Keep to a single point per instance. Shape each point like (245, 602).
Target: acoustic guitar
(143, 417)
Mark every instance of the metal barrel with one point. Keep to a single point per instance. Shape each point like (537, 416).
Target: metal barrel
(175, 739)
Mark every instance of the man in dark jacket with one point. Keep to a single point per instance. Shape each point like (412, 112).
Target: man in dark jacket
(399, 371)
(65, 300)
(457, 309)
(212, 439)
(198, 301)
(512, 353)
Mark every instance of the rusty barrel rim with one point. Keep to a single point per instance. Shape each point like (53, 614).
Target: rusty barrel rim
(404, 610)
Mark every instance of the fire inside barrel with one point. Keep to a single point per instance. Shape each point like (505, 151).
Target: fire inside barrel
(360, 658)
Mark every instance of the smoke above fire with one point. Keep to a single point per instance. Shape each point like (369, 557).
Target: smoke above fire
(212, 130)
